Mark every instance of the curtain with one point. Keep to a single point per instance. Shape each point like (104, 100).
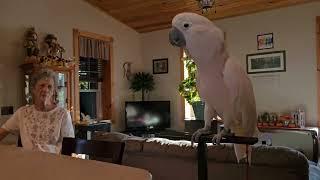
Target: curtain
(93, 48)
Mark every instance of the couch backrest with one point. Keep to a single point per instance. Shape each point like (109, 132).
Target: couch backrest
(274, 163)
(164, 159)
(167, 160)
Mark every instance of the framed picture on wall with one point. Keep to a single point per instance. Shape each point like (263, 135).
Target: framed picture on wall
(266, 62)
(265, 41)
(160, 66)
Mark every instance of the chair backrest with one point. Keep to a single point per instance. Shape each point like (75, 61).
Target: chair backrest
(97, 150)
(19, 143)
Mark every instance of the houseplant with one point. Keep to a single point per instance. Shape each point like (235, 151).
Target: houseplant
(143, 82)
(187, 89)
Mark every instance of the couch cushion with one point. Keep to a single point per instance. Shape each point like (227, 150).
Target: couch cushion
(278, 156)
(221, 153)
(163, 158)
(133, 143)
(109, 136)
(114, 136)
(261, 155)
(169, 147)
(286, 163)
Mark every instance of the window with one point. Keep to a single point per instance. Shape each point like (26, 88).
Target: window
(188, 110)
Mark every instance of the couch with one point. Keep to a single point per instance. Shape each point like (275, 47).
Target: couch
(168, 160)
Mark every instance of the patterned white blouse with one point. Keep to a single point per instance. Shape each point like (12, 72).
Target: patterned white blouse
(41, 131)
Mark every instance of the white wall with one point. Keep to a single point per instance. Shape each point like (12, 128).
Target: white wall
(155, 45)
(294, 32)
(60, 17)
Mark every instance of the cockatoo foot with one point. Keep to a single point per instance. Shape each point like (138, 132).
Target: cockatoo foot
(217, 138)
(196, 135)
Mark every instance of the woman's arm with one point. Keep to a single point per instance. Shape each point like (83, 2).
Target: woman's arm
(3, 133)
(67, 127)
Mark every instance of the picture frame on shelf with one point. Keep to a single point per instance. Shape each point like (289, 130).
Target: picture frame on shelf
(265, 41)
(160, 66)
(267, 62)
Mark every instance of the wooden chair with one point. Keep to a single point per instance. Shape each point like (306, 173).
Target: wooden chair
(19, 143)
(97, 150)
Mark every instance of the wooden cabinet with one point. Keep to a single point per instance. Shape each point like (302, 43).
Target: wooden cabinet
(65, 73)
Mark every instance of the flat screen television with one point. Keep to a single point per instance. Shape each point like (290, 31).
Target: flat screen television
(147, 115)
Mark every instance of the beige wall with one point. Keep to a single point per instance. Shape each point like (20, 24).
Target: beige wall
(60, 17)
(155, 45)
(294, 32)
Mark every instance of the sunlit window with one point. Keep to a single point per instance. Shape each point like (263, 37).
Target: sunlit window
(188, 110)
(189, 113)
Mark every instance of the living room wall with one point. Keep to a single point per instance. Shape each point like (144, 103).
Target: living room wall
(294, 32)
(60, 17)
(155, 46)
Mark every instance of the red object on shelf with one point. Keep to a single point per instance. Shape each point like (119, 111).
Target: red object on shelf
(285, 117)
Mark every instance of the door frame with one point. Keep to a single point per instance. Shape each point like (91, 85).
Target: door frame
(318, 65)
(107, 90)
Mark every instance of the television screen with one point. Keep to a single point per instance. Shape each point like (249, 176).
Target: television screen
(144, 115)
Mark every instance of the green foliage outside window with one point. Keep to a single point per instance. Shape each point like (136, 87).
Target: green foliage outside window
(187, 87)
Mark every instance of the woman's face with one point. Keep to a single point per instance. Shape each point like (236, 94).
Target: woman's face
(43, 90)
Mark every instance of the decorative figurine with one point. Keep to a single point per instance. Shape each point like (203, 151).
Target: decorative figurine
(31, 42)
(54, 49)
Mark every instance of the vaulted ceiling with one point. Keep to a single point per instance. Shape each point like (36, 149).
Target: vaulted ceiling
(151, 15)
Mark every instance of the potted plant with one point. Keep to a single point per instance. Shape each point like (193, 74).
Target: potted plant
(187, 89)
(142, 82)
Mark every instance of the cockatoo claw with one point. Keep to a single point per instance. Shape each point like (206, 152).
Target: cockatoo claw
(196, 135)
(217, 138)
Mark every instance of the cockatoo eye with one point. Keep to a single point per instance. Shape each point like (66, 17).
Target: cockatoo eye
(187, 25)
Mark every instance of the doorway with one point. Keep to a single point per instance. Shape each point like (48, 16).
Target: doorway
(93, 76)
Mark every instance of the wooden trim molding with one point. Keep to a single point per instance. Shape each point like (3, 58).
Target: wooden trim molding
(95, 36)
(108, 108)
(76, 108)
(318, 96)
(318, 64)
(113, 115)
(318, 41)
(182, 108)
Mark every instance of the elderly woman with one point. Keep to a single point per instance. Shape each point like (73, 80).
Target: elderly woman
(42, 125)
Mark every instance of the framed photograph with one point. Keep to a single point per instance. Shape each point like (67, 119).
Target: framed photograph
(265, 41)
(266, 62)
(160, 66)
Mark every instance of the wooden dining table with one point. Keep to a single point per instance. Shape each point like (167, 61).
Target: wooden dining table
(20, 164)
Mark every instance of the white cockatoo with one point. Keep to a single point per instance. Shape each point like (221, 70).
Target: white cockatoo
(222, 83)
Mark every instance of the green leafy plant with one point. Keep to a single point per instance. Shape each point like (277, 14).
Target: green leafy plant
(187, 87)
(142, 82)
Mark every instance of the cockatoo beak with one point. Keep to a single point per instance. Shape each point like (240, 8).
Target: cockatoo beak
(176, 37)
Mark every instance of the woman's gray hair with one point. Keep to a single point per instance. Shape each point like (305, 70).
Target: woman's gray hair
(44, 73)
